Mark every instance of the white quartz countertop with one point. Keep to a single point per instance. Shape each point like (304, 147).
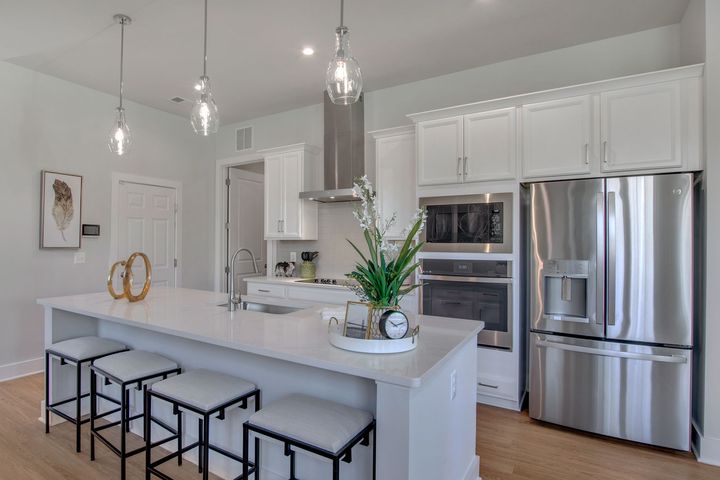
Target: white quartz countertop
(300, 337)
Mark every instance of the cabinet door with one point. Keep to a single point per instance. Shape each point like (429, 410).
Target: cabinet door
(440, 151)
(395, 171)
(273, 196)
(292, 186)
(557, 137)
(490, 146)
(641, 128)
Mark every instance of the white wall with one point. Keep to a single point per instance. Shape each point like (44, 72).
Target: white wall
(710, 381)
(692, 33)
(47, 123)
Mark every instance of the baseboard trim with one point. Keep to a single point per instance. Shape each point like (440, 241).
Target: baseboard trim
(706, 449)
(498, 402)
(473, 470)
(11, 371)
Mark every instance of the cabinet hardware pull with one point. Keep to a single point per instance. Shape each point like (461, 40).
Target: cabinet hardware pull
(263, 291)
(605, 152)
(487, 385)
(587, 154)
(465, 167)
(459, 170)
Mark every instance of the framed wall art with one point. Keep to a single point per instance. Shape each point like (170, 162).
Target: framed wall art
(60, 210)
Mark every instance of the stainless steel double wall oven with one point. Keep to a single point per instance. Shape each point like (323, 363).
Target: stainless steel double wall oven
(466, 287)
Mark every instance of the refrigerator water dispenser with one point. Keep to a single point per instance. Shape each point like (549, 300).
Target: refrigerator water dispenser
(565, 290)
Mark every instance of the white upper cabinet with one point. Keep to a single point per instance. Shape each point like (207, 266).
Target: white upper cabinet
(440, 151)
(395, 176)
(557, 137)
(289, 171)
(641, 128)
(490, 144)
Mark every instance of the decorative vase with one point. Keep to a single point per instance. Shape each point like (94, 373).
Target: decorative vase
(307, 270)
(374, 332)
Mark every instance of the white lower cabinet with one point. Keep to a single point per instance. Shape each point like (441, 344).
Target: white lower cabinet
(498, 378)
(316, 295)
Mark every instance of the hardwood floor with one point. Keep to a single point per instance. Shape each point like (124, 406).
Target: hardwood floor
(510, 445)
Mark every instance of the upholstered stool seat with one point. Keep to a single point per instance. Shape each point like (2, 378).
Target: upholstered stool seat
(204, 389)
(128, 370)
(206, 394)
(133, 365)
(85, 348)
(322, 427)
(81, 350)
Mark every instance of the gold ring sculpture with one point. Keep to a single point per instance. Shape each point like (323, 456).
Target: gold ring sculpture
(127, 278)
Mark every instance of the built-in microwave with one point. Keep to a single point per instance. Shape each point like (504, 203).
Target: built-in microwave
(468, 223)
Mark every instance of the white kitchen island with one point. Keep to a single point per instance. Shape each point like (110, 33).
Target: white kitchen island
(423, 400)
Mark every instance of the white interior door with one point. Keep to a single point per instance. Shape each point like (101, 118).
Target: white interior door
(147, 223)
(246, 223)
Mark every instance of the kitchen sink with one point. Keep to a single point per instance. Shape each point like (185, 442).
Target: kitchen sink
(264, 308)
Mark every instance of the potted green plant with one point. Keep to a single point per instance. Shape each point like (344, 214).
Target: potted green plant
(381, 275)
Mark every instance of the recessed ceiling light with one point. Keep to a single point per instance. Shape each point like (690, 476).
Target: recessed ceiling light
(308, 51)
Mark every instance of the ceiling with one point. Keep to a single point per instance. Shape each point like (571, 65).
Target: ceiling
(255, 60)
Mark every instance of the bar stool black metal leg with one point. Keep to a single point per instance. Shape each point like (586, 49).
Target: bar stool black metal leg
(78, 401)
(47, 392)
(200, 442)
(206, 448)
(180, 436)
(336, 469)
(290, 453)
(246, 453)
(127, 412)
(374, 454)
(147, 429)
(93, 413)
(257, 458)
(123, 421)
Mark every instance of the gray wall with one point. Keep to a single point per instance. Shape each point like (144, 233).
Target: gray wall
(47, 123)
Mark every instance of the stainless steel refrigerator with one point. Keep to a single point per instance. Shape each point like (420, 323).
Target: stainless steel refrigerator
(611, 306)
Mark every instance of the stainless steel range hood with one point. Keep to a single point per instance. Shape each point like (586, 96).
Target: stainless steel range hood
(344, 151)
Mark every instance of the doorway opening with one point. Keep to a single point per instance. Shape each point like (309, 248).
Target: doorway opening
(245, 194)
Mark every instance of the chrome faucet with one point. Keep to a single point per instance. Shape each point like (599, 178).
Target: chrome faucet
(233, 301)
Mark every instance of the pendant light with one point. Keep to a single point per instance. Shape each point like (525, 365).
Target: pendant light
(204, 117)
(343, 79)
(119, 141)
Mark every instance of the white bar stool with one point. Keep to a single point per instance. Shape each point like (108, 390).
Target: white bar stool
(322, 427)
(206, 394)
(127, 369)
(77, 351)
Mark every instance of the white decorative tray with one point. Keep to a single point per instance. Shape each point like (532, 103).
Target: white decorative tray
(361, 345)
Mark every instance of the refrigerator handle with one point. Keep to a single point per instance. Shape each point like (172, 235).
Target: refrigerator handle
(612, 353)
(611, 257)
(600, 261)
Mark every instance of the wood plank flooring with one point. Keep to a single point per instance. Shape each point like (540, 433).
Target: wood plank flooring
(510, 445)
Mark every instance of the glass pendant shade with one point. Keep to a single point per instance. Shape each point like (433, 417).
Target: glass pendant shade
(343, 78)
(204, 117)
(119, 138)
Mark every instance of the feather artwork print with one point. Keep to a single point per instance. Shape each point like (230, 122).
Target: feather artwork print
(63, 210)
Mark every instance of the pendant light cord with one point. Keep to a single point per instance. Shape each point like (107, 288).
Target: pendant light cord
(205, 42)
(342, 13)
(122, 54)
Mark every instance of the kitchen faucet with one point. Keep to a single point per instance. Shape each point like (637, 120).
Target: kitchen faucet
(233, 302)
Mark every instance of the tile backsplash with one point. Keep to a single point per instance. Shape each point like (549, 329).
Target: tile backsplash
(336, 225)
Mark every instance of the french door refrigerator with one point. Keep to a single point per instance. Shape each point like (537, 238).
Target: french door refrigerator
(611, 306)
